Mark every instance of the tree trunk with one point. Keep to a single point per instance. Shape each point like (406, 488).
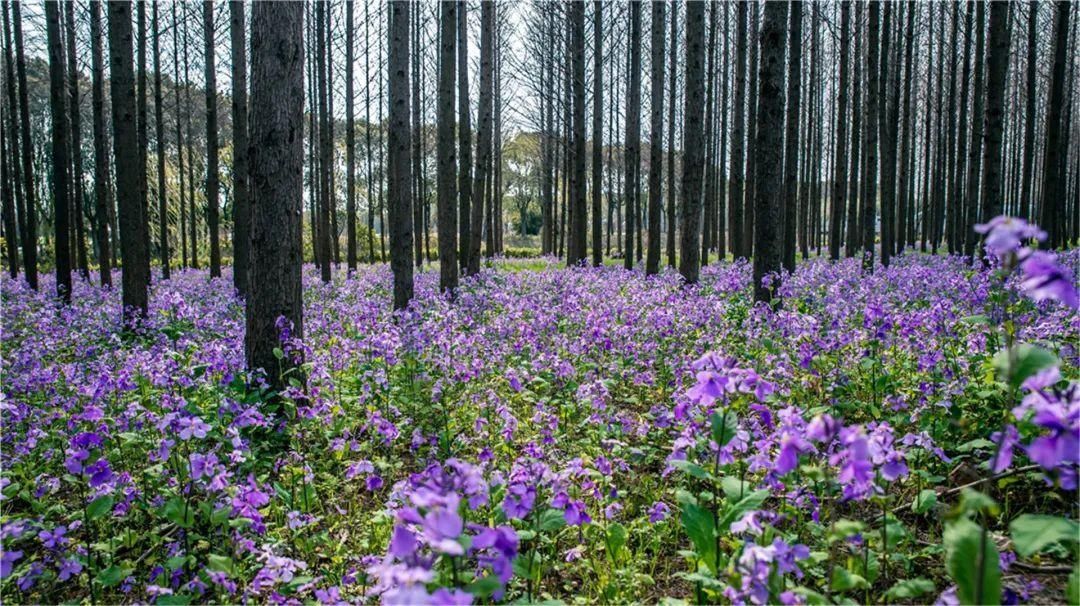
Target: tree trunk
(81, 260)
(632, 144)
(903, 210)
(483, 135)
(672, 78)
(60, 151)
(102, 191)
(464, 139)
(241, 205)
(136, 274)
(962, 222)
(708, 189)
(326, 144)
(839, 185)
(446, 184)
(891, 116)
(693, 152)
(276, 148)
(869, 214)
(179, 138)
(791, 145)
(1053, 205)
(142, 126)
(1026, 192)
(768, 177)
(29, 235)
(15, 232)
(576, 247)
(738, 135)
(656, 135)
(751, 138)
(159, 135)
(851, 240)
(996, 66)
(598, 132)
(401, 227)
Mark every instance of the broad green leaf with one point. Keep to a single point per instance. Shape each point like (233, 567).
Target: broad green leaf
(113, 575)
(973, 501)
(99, 507)
(910, 588)
(925, 501)
(221, 563)
(733, 512)
(616, 536)
(812, 597)
(734, 488)
(971, 559)
(693, 469)
(724, 425)
(699, 526)
(177, 512)
(1032, 533)
(484, 587)
(551, 520)
(174, 600)
(1025, 361)
(843, 580)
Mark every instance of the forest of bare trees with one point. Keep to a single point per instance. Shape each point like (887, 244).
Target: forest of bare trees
(774, 131)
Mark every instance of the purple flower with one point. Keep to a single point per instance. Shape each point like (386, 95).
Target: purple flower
(192, 427)
(402, 543)
(1006, 441)
(68, 568)
(7, 560)
(53, 539)
(659, 512)
(442, 528)
(1043, 278)
(575, 514)
(1005, 234)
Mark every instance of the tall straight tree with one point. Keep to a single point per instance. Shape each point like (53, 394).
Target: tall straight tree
(76, 218)
(483, 134)
(632, 144)
(1027, 174)
(102, 191)
(211, 139)
(708, 200)
(141, 123)
(962, 222)
(907, 136)
(768, 177)
(16, 232)
(672, 79)
(693, 146)
(890, 112)
(136, 257)
(972, 200)
(29, 235)
(447, 161)
(179, 137)
(869, 210)
(751, 135)
(791, 143)
(464, 137)
(350, 143)
(598, 131)
(60, 152)
(241, 207)
(325, 145)
(1052, 215)
(656, 135)
(159, 135)
(7, 190)
(276, 168)
(738, 135)
(839, 185)
(997, 63)
(400, 212)
(576, 250)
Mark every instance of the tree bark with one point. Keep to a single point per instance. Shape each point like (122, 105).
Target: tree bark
(672, 194)
(464, 139)
(869, 212)
(276, 149)
(598, 132)
(1053, 205)
(839, 185)
(241, 204)
(60, 151)
(693, 152)
(326, 144)
(997, 63)
(791, 144)
(447, 162)
(656, 135)
(15, 232)
(769, 162)
(76, 181)
(401, 227)
(159, 135)
(483, 135)
(136, 274)
(29, 235)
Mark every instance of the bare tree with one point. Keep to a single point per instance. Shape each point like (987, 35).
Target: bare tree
(768, 177)
(997, 62)
(693, 152)
(401, 227)
(447, 162)
(656, 135)
(791, 144)
(1053, 191)
(60, 151)
(75, 123)
(241, 204)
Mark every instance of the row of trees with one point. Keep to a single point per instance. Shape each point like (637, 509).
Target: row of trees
(894, 130)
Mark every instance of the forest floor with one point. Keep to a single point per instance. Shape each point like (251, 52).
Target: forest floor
(576, 435)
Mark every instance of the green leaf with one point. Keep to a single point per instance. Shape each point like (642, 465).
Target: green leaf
(734, 488)
(616, 536)
(99, 507)
(910, 588)
(1072, 590)
(843, 580)
(724, 425)
(484, 587)
(733, 512)
(812, 597)
(925, 501)
(973, 501)
(278, 353)
(221, 563)
(175, 562)
(113, 575)
(976, 319)
(1032, 533)
(551, 520)
(178, 513)
(693, 469)
(699, 526)
(972, 561)
(173, 600)
(1026, 360)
